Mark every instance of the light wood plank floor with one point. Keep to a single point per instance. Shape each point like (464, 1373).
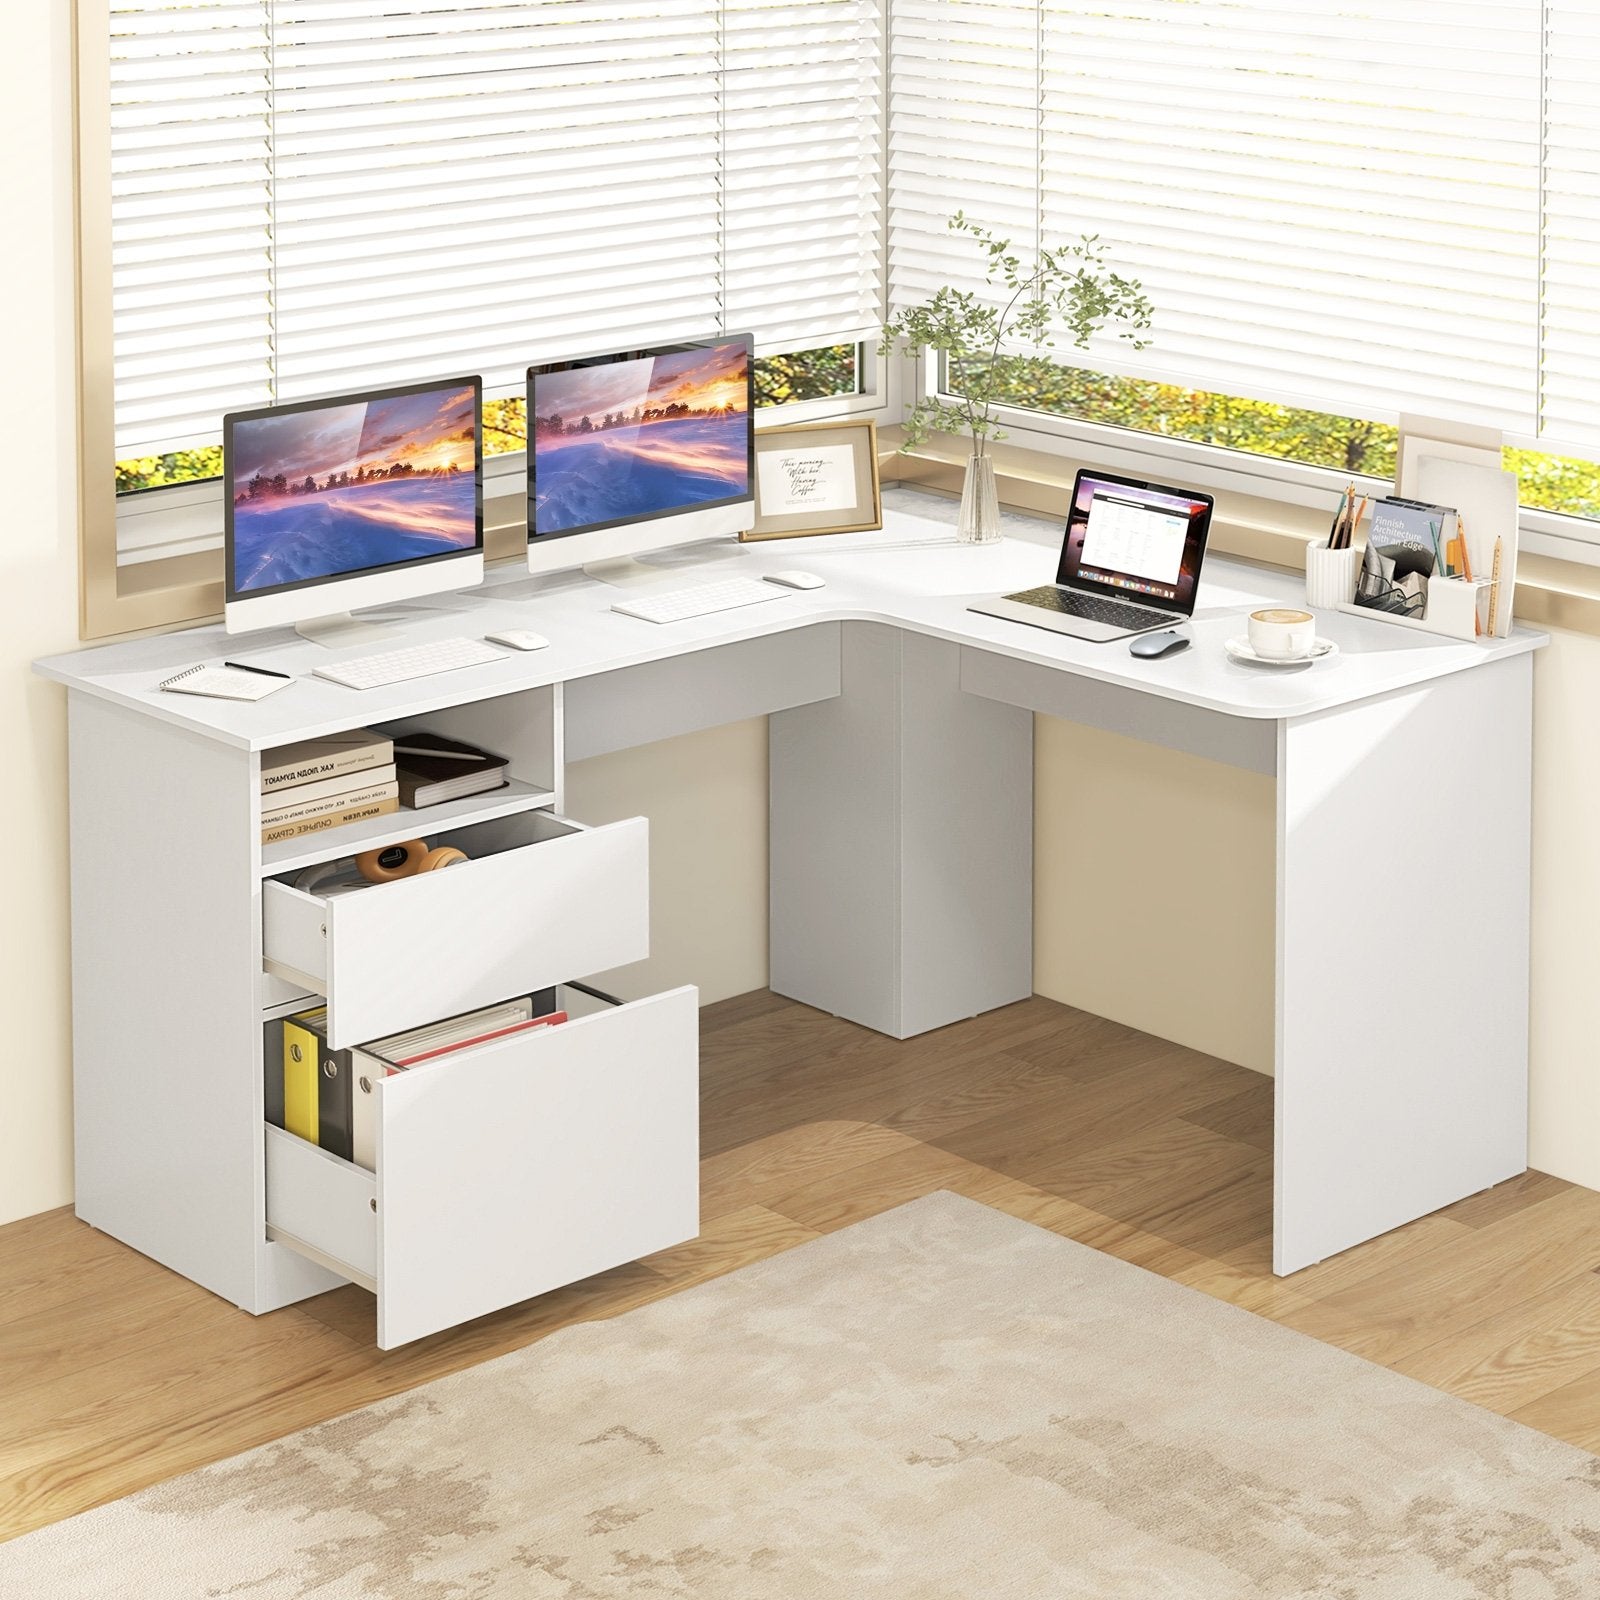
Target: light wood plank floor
(115, 1373)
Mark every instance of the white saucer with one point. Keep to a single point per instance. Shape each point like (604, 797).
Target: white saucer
(1241, 650)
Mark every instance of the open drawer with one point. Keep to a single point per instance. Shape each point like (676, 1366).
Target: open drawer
(509, 1170)
(542, 898)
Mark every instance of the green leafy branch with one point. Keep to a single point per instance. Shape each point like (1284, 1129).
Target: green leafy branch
(1072, 287)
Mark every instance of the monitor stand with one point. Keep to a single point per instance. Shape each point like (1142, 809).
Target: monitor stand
(340, 629)
(624, 572)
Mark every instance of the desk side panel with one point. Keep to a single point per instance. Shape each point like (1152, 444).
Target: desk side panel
(835, 839)
(166, 1023)
(966, 843)
(1403, 914)
(901, 842)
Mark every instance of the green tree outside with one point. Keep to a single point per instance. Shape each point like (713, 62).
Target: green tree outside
(1346, 444)
(780, 380)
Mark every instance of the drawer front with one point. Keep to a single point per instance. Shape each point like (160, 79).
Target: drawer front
(535, 1162)
(561, 899)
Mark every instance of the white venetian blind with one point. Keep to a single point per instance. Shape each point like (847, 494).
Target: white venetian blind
(963, 134)
(312, 195)
(1570, 307)
(803, 174)
(191, 216)
(1332, 205)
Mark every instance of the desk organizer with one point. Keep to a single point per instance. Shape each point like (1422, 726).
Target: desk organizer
(1457, 608)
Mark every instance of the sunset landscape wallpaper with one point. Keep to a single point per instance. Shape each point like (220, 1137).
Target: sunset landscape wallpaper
(634, 438)
(351, 486)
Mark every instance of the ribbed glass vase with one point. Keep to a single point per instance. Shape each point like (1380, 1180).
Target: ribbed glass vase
(979, 522)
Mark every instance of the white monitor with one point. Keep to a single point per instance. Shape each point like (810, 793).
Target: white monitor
(358, 500)
(640, 451)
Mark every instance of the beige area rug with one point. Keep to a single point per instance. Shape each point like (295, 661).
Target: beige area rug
(941, 1404)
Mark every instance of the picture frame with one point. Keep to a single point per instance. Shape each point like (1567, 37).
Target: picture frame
(818, 477)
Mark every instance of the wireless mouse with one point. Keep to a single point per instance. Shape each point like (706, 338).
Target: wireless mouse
(1158, 644)
(519, 639)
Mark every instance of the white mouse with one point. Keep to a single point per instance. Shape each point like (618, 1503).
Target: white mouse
(519, 639)
(795, 580)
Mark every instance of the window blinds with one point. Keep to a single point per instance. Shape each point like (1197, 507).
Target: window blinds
(1570, 304)
(191, 218)
(1368, 207)
(312, 195)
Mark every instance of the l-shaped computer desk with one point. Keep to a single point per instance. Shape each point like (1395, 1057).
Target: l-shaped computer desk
(901, 898)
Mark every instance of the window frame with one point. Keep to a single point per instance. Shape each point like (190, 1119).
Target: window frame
(175, 581)
(182, 521)
(1218, 469)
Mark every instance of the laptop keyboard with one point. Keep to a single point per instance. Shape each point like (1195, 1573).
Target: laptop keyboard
(1091, 607)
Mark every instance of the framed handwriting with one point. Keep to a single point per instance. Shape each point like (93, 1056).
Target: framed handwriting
(816, 478)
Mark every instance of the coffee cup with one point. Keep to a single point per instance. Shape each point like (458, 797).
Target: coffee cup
(1282, 634)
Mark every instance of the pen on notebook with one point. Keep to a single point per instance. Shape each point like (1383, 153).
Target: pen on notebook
(265, 672)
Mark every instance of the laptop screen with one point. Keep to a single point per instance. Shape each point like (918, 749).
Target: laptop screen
(1137, 540)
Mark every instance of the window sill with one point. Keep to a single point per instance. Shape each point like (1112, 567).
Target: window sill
(1550, 593)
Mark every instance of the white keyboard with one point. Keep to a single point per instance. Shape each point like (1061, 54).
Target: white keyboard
(681, 604)
(416, 661)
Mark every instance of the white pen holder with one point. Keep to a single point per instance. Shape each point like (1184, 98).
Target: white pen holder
(1330, 575)
(1457, 607)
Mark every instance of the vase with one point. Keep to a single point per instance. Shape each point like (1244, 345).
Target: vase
(979, 522)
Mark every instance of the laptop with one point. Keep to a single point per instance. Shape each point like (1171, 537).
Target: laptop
(1130, 561)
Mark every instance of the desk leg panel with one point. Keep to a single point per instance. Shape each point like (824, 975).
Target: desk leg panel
(1402, 962)
(167, 1077)
(901, 841)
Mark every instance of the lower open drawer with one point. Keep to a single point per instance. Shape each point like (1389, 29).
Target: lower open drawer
(506, 1171)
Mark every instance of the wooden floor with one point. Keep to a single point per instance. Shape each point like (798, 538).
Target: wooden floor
(115, 1373)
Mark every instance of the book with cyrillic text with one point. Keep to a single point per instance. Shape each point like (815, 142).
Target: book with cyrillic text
(330, 819)
(314, 759)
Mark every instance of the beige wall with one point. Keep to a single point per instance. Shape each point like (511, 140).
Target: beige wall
(38, 577)
(706, 797)
(1564, 1126)
(1196, 964)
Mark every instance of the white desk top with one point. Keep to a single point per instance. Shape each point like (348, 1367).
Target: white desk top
(912, 574)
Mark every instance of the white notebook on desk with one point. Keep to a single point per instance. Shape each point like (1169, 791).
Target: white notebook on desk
(225, 683)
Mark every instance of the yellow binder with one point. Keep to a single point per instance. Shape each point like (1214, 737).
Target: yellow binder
(301, 1055)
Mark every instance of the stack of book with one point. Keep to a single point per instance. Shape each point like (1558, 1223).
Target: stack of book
(321, 783)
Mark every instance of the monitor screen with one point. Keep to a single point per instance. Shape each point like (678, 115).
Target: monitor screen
(640, 435)
(330, 489)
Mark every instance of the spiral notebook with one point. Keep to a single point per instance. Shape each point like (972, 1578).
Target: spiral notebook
(225, 683)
